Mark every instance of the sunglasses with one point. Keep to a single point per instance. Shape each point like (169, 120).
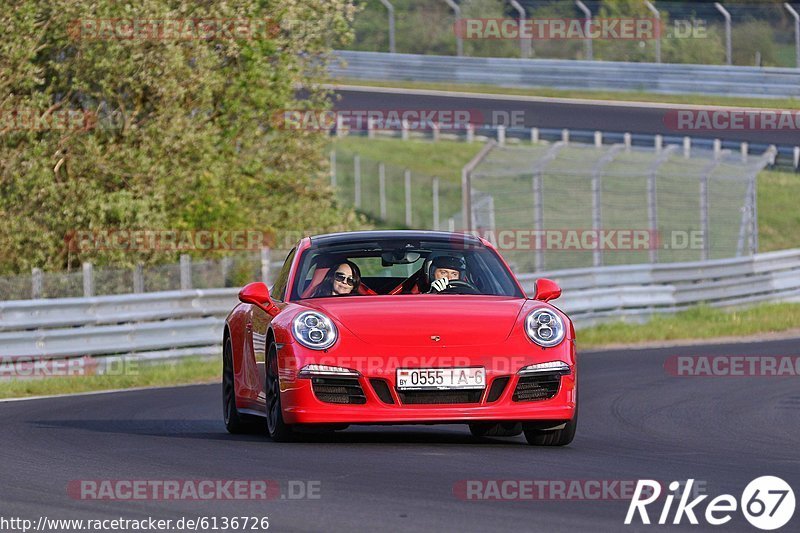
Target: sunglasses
(341, 277)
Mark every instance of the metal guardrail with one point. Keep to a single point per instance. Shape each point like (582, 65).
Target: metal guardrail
(593, 295)
(177, 324)
(571, 74)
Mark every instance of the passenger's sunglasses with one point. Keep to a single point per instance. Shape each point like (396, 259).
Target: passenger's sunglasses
(341, 277)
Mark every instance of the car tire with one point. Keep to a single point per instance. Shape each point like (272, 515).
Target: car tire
(278, 430)
(235, 422)
(537, 436)
(490, 429)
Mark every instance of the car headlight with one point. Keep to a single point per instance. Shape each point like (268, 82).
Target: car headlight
(326, 370)
(550, 367)
(544, 327)
(314, 330)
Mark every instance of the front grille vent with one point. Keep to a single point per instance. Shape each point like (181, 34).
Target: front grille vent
(381, 389)
(538, 387)
(498, 386)
(338, 390)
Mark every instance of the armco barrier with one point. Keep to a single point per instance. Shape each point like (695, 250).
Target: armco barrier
(593, 295)
(172, 325)
(662, 78)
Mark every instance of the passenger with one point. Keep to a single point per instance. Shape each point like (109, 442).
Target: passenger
(342, 280)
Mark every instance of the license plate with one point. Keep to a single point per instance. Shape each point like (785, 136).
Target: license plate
(441, 378)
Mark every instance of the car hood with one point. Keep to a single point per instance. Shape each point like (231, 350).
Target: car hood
(412, 320)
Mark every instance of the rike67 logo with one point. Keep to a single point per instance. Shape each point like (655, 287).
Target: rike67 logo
(767, 503)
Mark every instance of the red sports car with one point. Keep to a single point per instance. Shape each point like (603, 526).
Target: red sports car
(400, 327)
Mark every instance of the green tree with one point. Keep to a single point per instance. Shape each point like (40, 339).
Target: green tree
(185, 134)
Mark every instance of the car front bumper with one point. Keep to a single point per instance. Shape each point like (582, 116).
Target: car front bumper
(301, 405)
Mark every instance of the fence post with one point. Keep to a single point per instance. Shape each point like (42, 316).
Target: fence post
(451, 224)
(186, 272)
(797, 157)
(501, 135)
(370, 128)
(382, 189)
(538, 221)
(340, 126)
(598, 139)
(357, 180)
(565, 136)
(626, 140)
(459, 40)
(226, 265)
(659, 143)
(470, 133)
(534, 135)
(657, 16)
(390, 8)
(407, 180)
(704, 228)
(588, 14)
(717, 148)
(404, 131)
(745, 149)
(333, 168)
(435, 131)
(88, 280)
(435, 203)
(687, 147)
(652, 214)
(37, 283)
(265, 258)
(138, 279)
(796, 16)
(727, 16)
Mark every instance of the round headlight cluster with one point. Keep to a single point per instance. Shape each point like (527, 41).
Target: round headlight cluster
(314, 330)
(545, 327)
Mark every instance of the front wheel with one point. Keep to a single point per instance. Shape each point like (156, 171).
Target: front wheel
(278, 430)
(490, 429)
(536, 435)
(235, 422)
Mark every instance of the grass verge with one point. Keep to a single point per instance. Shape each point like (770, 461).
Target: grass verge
(706, 323)
(615, 96)
(778, 216)
(154, 375)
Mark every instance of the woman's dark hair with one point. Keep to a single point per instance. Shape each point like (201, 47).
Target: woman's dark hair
(326, 287)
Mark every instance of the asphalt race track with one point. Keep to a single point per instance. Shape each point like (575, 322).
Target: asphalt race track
(546, 113)
(636, 421)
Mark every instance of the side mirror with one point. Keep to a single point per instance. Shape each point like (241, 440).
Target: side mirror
(546, 290)
(257, 294)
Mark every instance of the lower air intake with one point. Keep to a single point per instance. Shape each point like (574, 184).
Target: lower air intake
(538, 387)
(338, 390)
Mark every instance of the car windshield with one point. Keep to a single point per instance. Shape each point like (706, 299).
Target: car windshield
(399, 266)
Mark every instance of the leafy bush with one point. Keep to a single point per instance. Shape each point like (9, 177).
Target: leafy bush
(185, 136)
